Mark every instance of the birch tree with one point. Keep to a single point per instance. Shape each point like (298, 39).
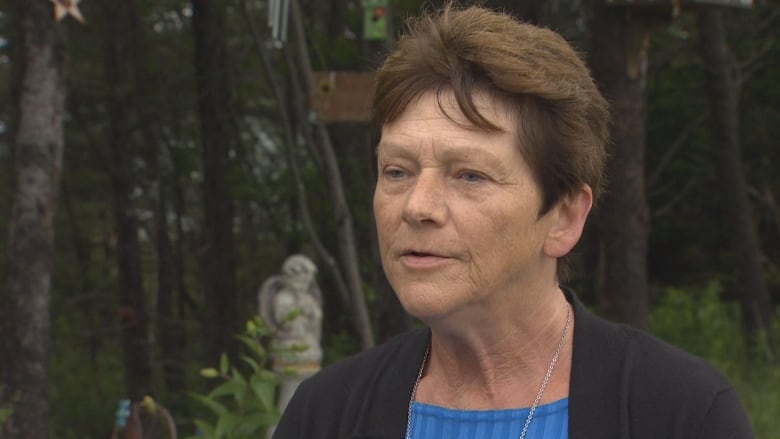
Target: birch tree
(38, 88)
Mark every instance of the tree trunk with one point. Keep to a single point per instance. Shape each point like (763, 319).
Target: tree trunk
(170, 331)
(169, 324)
(181, 301)
(757, 309)
(618, 60)
(218, 260)
(354, 142)
(120, 18)
(391, 317)
(87, 287)
(37, 141)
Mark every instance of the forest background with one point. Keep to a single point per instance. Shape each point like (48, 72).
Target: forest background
(160, 160)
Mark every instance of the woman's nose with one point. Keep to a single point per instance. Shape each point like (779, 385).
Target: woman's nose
(426, 201)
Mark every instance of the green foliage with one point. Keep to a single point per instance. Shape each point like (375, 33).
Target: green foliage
(6, 410)
(758, 384)
(339, 346)
(84, 383)
(701, 323)
(242, 405)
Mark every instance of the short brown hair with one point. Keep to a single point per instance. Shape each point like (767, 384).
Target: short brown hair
(561, 116)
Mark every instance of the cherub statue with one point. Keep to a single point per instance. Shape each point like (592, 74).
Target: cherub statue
(291, 305)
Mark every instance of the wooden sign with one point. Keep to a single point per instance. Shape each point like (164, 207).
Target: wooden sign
(342, 96)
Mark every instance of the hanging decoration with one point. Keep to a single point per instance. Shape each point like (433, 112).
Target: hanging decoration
(278, 13)
(375, 20)
(63, 8)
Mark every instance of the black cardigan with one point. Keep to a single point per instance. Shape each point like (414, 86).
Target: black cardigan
(624, 384)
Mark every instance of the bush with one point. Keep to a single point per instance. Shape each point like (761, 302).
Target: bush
(700, 323)
(243, 404)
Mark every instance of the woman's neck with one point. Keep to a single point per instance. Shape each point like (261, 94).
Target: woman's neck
(499, 363)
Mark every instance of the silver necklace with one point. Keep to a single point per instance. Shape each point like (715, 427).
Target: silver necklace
(539, 394)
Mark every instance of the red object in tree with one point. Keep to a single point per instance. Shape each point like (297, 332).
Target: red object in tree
(127, 315)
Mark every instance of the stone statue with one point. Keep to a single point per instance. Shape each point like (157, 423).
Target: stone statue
(291, 305)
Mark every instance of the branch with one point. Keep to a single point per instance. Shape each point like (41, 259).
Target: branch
(771, 203)
(678, 143)
(289, 140)
(344, 227)
(746, 68)
(679, 195)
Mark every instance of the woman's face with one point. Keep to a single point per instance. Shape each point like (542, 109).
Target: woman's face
(457, 214)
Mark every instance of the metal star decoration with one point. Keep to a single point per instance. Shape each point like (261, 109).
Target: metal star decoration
(62, 8)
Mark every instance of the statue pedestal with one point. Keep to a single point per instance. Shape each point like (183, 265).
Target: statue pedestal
(291, 378)
(290, 382)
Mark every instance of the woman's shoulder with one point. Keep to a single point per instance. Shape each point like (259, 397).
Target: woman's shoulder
(646, 359)
(653, 359)
(647, 386)
(636, 354)
(688, 392)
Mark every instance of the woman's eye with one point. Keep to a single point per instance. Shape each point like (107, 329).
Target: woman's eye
(395, 173)
(471, 177)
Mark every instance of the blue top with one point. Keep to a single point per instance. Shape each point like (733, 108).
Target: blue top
(550, 421)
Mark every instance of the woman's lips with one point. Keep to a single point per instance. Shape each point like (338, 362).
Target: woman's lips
(414, 259)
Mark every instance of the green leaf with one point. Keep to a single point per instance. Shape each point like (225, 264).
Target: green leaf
(240, 395)
(260, 326)
(256, 421)
(292, 315)
(5, 413)
(228, 388)
(226, 424)
(215, 406)
(251, 362)
(254, 347)
(236, 374)
(209, 372)
(267, 375)
(224, 364)
(299, 347)
(264, 390)
(206, 429)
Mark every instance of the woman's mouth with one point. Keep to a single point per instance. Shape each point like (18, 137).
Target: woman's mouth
(421, 259)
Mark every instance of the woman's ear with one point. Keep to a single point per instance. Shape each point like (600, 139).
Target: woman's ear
(568, 219)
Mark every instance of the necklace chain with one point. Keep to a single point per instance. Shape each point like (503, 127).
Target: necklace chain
(414, 392)
(550, 368)
(539, 394)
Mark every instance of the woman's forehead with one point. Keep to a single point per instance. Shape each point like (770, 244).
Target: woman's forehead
(432, 105)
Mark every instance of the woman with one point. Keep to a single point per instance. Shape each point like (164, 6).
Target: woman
(490, 157)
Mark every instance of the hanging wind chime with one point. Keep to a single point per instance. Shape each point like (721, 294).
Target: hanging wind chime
(278, 13)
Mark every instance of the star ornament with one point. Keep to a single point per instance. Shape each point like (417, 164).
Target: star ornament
(63, 8)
